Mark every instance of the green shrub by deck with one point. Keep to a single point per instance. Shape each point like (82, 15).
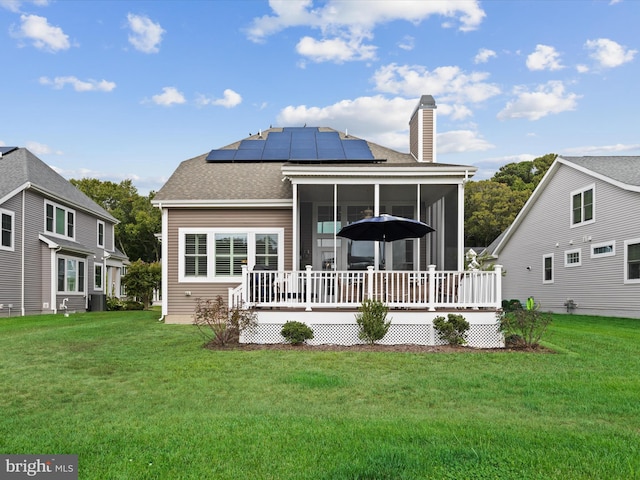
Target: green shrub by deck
(296, 333)
(452, 329)
(372, 321)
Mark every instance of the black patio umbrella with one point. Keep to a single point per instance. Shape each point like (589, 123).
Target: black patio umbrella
(385, 228)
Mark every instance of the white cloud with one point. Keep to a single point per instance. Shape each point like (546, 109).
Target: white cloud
(14, 5)
(146, 35)
(169, 96)
(448, 84)
(338, 50)
(581, 68)
(346, 24)
(483, 55)
(609, 54)
(42, 35)
(544, 58)
(41, 149)
(230, 99)
(460, 141)
(547, 99)
(407, 43)
(79, 85)
(602, 149)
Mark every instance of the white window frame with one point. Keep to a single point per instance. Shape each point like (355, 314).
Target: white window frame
(77, 291)
(633, 241)
(580, 192)
(12, 215)
(611, 244)
(553, 273)
(211, 254)
(67, 211)
(100, 223)
(569, 252)
(96, 267)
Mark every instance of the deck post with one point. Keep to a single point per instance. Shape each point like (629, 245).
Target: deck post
(244, 297)
(431, 279)
(307, 290)
(498, 295)
(369, 282)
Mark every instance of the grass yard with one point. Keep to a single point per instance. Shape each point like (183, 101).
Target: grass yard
(137, 399)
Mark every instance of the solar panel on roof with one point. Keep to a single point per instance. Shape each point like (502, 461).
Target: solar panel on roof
(297, 144)
(218, 155)
(5, 150)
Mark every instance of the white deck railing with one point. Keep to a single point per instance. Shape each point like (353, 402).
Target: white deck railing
(310, 289)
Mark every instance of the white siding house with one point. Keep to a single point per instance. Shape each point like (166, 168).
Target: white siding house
(577, 239)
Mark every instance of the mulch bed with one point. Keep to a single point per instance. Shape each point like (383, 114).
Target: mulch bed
(376, 348)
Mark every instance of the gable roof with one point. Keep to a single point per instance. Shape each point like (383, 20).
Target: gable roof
(20, 169)
(247, 182)
(621, 171)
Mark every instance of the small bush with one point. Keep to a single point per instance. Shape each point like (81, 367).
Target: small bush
(523, 327)
(220, 325)
(296, 333)
(511, 305)
(452, 329)
(133, 305)
(114, 304)
(372, 321)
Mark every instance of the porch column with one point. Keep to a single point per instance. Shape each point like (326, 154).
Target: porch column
(307, 279)
(295, 233)
(461, 227)
(498, 270)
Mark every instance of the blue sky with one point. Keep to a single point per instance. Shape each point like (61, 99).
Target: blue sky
(129, 89)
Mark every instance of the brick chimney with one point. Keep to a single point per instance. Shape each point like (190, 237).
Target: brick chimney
(422, 130)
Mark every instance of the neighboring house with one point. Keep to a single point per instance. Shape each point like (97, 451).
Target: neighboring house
(577, 239)
(256, 222)
(57, 245)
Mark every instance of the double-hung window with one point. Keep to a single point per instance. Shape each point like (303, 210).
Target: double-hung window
(632, 261)
(97, 276)
(582, 206)
(218, 254)
(547, 268)
(6, 230)
(100, 233)
(71, 274)
(59, 220)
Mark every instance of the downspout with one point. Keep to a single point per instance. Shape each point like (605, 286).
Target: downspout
(22, 276)
(165, 262)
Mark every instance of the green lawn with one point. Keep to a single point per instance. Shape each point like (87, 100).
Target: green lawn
(137, 399)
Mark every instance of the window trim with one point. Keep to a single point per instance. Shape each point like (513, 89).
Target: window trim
(628, 280)
(544, 257)
(566, 255)
(12, 215)
(581, 191)
(211, 232)
(78, 260)
(67, 211)
(100, 223)
(611, 244)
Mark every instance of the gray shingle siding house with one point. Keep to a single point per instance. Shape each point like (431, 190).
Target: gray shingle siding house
(577, 239)
(56, 246)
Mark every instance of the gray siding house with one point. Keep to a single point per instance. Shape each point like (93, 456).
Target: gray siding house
(57, 251)
(577, 239)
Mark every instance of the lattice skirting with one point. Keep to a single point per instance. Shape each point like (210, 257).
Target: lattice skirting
(478, 335)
